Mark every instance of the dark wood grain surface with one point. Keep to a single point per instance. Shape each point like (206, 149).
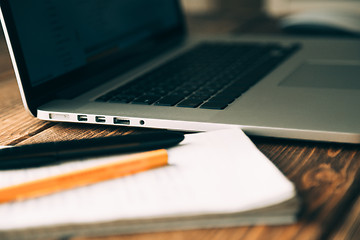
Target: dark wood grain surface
(326, 175)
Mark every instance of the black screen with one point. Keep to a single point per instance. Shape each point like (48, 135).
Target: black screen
(60, 36)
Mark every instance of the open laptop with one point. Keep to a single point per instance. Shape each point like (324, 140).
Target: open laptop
(131, 63)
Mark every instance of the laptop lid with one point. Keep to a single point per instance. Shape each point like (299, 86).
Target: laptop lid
(56, 45)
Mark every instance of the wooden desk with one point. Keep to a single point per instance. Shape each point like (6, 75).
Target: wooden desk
(326, 175)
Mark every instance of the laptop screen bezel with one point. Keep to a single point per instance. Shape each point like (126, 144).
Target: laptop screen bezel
(35, 96)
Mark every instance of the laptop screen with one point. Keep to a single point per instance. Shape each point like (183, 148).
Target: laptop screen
(60, 36)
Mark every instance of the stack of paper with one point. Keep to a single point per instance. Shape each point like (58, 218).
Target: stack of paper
(214, 179)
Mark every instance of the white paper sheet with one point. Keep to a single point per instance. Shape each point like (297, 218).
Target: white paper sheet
(213, 172)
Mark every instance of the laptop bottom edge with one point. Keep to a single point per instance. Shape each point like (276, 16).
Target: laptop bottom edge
(192, 126)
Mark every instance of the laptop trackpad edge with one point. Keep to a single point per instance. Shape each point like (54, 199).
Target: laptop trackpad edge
(325, 74)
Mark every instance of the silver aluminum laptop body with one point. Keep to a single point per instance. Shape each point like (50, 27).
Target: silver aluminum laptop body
(313, 95)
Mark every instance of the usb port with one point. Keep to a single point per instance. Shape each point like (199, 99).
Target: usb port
(100, 119)
(82, 118)
(121, 121)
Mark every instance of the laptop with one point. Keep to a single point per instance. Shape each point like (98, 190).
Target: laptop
(131, 63)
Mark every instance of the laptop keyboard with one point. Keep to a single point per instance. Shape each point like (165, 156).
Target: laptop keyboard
(209, 76)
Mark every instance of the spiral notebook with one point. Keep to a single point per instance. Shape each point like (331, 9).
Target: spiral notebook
(214, 179)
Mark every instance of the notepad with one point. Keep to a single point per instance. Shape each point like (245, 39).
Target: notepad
(215, 179)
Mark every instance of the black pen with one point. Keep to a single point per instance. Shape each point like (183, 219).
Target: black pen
(41, 154)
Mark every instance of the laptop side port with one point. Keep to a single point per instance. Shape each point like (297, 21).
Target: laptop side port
(121, 121)
(100, 119)
(82, 118)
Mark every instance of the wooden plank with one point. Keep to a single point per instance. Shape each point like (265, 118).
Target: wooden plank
(5, 63)
(16, 124)
(324, 175)
(70, 131)
(350, 228)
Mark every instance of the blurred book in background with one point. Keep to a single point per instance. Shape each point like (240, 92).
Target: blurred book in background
(224, 7)
(285, 7)
(199, 6)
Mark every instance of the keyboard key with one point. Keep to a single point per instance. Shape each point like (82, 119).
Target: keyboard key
(190, 103)
(214, 105)
(230, 93)
(182, 92)
(148, 100)
(224, 99)
(169, 100)
(121, 99)
(205, 92)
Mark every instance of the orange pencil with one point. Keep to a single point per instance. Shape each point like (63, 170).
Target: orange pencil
(135, 163)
